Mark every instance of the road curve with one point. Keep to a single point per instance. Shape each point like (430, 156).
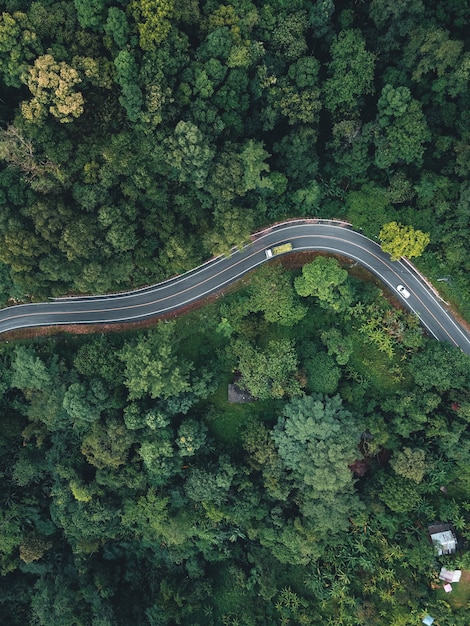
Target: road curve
(214, 275)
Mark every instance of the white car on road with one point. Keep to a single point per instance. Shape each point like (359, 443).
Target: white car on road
(403, 291)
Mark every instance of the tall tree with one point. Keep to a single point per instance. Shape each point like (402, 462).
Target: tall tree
(398, 240)
(272, 292)
(441, 366)
(152, 367)
(153, 19)
(325, 279)
(191, 155)
(410, 463)
(269, 373)
(351, 72)
(53, 85)
(402, 130)
(19, 44)
(317, 439)
(127, 77)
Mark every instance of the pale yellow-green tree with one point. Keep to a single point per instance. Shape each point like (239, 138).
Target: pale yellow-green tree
(153, 21)
(398, 240)
(52, 84)
(33, 548)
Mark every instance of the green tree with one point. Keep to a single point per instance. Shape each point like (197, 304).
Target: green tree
(56, 602)
(90, 13)
(395, 19)
(259, 444)
(33, 548)
(402, 129)
(127, 77)
(401, 188)
(232, 227)
(325, 279)
(18, 45)
(383, 11)
(152, 366)
(29, 371)
(339, 345)
(117, 26)
(296, 157)
(97, 358)
(269, 373)
(225, 178)
(304, 72)
(437, 59)
(307, 199)
(29, 469)
(323, 374)
(107, 445)
(400, 494)
(441, 366)
(253, 159)
(299, 106)
(211, 484)
(398, 240)
(159, 457)
(192, 436)
(410, 463)
(191, 155)
(84, 403)
(288, 38)
(350, 149)
(317, 439)
(320, 17)
(121, 226)
(351, 72)
(272, 292)
(12, 536)
(368, 208)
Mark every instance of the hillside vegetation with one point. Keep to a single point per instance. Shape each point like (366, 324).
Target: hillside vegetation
(139, 137)
(133, 492)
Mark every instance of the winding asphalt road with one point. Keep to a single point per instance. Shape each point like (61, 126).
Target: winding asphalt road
(214, 275)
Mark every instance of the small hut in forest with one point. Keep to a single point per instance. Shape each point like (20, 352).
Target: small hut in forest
(444, 538)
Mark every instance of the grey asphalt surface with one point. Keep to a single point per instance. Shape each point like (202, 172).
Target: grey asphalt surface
(214, 275)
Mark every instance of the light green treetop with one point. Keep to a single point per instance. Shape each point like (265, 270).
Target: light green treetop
(399, 240)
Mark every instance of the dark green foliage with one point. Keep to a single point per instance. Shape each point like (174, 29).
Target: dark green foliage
(442, 367)
(150, 127)
(316, 441)
(121, 497)
(322, 373)
(351, 74)
(139, 138)
(151, 365)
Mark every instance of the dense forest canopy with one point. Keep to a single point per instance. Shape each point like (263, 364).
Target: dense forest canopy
(139, 137)
(133, 492)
